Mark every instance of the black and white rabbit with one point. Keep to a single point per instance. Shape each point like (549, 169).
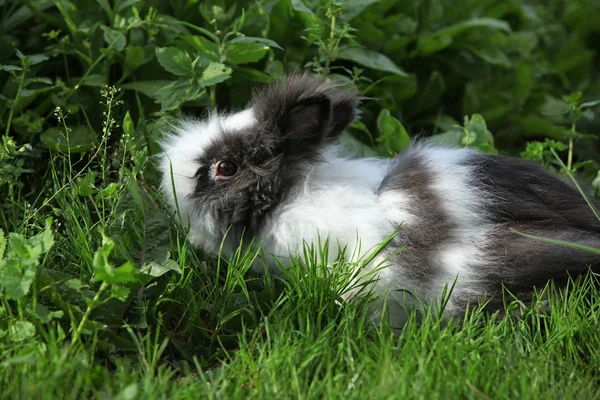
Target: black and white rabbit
(272, 171)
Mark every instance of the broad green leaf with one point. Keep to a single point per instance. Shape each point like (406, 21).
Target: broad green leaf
(242, 53)
(490, 23)
(257, 40)
(41, 79)
(275, 68)
(21, 331)
(114, 38)
(171, 95)
(252, 75)
(523, 42)
(75, 284)
(124, 273)
(443, 122)
(431, 44)
(298, 5)
(20, 248)
(44, 240)
(95, 80)
(218, 11)
(404, 86)
(312, 22)
(353, 148)
(119, 292)
(129, 392)
(534, 124)
(28, 92)
(103, 270)
(32, 59)
(176, 93)
(588, 114)
(468, 138)
(552, 106)
(392, 134)
(371, 59)
(155, 269)
(175, 60)
(476, 124)
(134, 57)
(22, 14)
(10, 68)
(105, 5)
(204, 47)
(474, 133)
(126, 4)
(491, 54)
(573, 98)
(451, 138)
(29, 122)
(590, 104)
(16, 277)
(353, 8)
(85, 185)
(43, 314)
(79, 139)
(214, 73)
(149, 88)
(128, 125)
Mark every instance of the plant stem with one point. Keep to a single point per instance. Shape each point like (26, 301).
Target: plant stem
(98, 60)
(17, 97)
(20, 309)
(570, 156)
(88, 311)
(330, 46)
(577, 185)
(213, 97)
(87, 73)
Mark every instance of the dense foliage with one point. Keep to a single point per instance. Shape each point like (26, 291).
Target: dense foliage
(85, 88)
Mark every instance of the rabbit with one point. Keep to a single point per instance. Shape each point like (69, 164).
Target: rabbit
(273, 172)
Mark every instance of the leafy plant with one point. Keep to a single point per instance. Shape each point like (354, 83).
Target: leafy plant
(571, 111)
(112, 301)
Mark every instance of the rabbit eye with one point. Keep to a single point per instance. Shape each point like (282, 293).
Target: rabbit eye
(225, 169)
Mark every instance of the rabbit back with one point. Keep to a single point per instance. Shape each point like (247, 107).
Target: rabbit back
(464, 205)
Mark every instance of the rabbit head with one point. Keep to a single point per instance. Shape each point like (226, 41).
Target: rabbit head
(225, 174)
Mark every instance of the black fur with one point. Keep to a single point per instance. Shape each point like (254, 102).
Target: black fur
(519, 194)
(297, 117)
(420, 242)
(305, 112)
(528, 199)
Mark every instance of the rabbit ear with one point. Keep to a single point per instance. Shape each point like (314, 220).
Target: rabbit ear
(343, 112)
(303, 110)
(307, 119)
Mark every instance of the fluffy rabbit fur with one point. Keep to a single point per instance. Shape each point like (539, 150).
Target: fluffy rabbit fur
(284, 183)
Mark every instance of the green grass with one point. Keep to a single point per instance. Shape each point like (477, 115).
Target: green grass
(172, 323)
(101, 295)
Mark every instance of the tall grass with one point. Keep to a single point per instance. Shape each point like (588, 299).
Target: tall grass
(102, 295)
(188, 325)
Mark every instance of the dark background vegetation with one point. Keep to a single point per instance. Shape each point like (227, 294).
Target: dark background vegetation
(86, 88)
(429, 62)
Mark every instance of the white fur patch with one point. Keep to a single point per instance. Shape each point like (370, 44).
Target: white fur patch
(179, 163)
(464, 204)
(337, 199)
